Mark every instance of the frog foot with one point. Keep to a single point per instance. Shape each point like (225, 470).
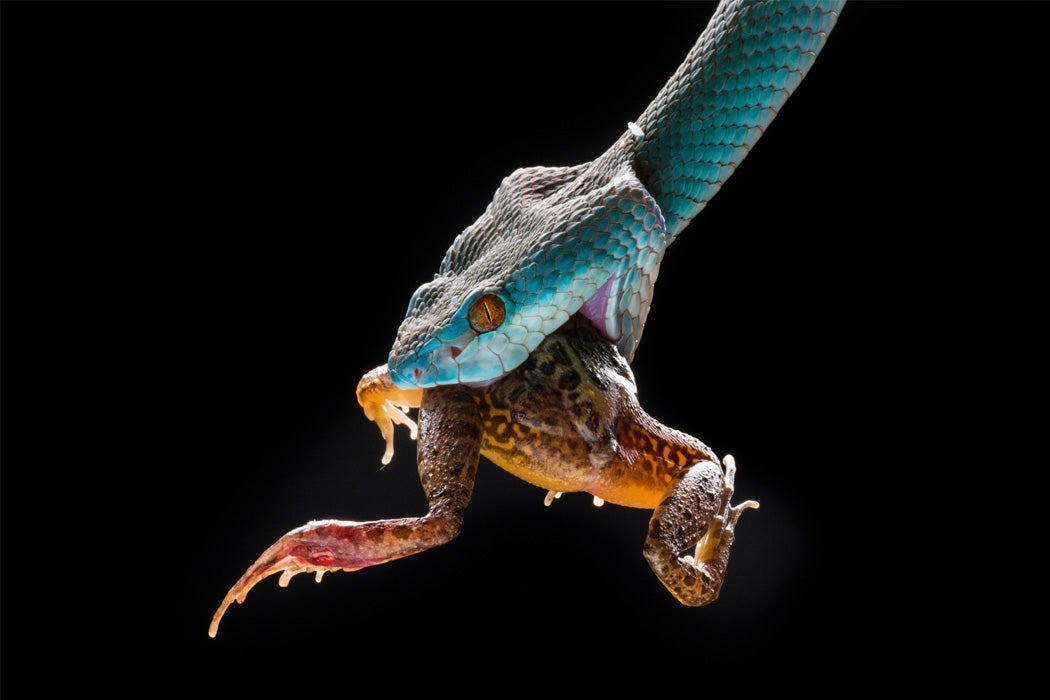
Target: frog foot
(394, 415)
(304, 550)
(341, 545)
(723, 526)
(387, 405)
(696, 516)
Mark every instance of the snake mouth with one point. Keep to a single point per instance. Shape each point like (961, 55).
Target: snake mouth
(409, 377)
(435, 368)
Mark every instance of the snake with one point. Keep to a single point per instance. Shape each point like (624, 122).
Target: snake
(588, 239)
(518, 349)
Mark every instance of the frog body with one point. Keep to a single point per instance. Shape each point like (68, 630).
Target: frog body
(567, 420)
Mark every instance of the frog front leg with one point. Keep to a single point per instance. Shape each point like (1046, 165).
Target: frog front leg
(695, 514)
(448, 453)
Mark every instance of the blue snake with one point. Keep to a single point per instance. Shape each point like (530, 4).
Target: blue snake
(589, 239)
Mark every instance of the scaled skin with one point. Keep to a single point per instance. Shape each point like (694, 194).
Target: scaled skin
(568, 419)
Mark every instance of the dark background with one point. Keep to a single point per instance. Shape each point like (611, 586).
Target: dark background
(214, 216)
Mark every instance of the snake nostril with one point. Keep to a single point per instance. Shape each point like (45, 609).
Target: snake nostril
(417, 373)
(454, 351)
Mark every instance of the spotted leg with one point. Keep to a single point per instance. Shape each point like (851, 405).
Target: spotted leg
(696, 514)
(448, 453)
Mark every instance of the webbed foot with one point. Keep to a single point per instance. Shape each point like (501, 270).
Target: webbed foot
(387, 406)
(697, 514)
(338, 545)
(724, 524)
(305, 549)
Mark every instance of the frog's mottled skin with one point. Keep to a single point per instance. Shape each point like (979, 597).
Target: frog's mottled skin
(568, 419)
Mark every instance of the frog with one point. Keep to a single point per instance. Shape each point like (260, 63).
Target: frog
(567, 420)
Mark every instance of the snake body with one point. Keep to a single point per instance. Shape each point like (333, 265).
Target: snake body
(588, 239)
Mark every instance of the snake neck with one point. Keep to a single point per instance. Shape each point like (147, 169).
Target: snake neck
(718, 103)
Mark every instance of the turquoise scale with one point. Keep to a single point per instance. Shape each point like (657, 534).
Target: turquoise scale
(723, 96)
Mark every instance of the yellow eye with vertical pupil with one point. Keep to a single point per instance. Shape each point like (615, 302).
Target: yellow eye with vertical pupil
(486, 313)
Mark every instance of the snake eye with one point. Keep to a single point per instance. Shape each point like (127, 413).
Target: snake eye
(486, 313)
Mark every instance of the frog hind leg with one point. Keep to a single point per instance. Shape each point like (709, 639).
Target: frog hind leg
(447, 457)
(696, 514)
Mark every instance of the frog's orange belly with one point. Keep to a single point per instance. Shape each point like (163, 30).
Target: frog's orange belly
(613, 481)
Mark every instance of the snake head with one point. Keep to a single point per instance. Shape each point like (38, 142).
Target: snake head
(477, 343)
(553, 242)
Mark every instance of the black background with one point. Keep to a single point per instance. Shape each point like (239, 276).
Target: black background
(214, 216)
